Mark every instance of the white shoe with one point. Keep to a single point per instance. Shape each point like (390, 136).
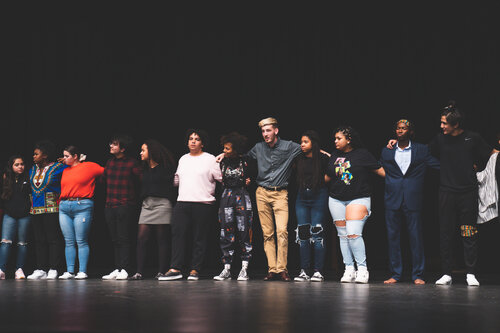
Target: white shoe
(19, 274)
(302, 277)
(224, 275)
(349, 275)
(472, 281)
(67, 276)
(38, 274)
(81, 276)
(112, 275)
(317, 277)
(362, 275)
(2, 275)
(52, 274)
(445, 280)
(123, 275)
(243, 276)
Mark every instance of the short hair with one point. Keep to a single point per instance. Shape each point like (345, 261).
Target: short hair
(409, 124)
(453, 115)
(237, 140)
(268, 121)
(201, 133)
(124, 141)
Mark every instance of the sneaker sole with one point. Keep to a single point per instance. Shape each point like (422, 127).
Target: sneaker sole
(243, 279)
(169, 278)
(317, 280)
(190, 278)
(216, 278)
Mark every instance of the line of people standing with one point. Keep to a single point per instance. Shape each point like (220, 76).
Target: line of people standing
(62, 202)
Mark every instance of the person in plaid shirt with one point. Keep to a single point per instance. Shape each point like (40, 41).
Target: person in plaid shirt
(121, 176)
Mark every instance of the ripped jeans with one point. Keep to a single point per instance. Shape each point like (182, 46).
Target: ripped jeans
(13, 228)
(352, 248)
(310, 208)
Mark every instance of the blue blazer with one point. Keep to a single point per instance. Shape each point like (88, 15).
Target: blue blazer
(407, 188)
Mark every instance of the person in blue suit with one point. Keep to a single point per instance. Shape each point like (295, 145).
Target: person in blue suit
(405, 168)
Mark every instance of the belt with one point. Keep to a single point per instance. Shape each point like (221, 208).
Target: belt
(75, 199)
(274, 188)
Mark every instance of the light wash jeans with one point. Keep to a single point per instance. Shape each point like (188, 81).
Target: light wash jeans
(353, 249)
(75, 218)
(13, 228)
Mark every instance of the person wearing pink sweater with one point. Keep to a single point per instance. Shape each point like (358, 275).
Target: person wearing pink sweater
(196, 176)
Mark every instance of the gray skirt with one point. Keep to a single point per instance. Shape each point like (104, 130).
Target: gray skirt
(155, 211)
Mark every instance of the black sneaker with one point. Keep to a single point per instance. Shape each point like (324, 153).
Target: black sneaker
(159, 275)
(193, 276)
(171, 275)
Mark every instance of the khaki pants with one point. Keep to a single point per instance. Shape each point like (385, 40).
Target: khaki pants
(273, 208)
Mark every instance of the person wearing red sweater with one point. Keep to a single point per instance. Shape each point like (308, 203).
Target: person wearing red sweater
(76, 208)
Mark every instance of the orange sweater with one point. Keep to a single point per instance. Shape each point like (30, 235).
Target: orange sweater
(79, 181)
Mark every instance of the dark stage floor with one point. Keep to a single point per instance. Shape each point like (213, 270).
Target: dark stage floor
(254, 306)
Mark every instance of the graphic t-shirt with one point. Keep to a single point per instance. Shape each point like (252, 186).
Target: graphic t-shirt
(349, 173)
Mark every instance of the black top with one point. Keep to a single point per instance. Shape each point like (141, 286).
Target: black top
(350, 174)
(458, 155)
(235, 171)
(19, 204)
(308, 170)
(158, 182)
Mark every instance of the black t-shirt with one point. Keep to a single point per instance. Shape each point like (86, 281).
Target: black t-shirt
(308, 170)
(158, 182)
(350, 172)
(458, 155)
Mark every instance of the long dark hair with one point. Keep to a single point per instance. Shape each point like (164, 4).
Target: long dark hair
(9, 177)
(158, 153)
(317, 172)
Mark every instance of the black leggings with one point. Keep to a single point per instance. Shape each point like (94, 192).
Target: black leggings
(162, 236)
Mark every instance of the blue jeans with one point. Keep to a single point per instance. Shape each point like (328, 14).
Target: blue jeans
(75, 218)
(352, 248)
(310, 209)
(10, 227)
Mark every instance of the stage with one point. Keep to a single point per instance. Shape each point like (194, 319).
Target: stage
(254, 306)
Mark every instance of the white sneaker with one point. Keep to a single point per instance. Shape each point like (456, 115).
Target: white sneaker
(38, 274)
(362, 275)
(224, 275)
(81, 276)
(317, 277)
(349, 275)
(52, 274)
(445, 280)
(19, 274)
(303, 277)
(123, 275)
(243, 276)
(2, 275)
(112, 275)
(472, 281)
(67, 276)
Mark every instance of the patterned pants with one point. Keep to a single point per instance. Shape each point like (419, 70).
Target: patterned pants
(235, 217)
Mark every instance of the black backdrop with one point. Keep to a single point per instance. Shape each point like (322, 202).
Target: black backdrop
(77, 75)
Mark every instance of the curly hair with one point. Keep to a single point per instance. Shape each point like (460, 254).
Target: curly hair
(158, 153)
(201, 133)
(350, 134)
(47, 148)
(237, 141)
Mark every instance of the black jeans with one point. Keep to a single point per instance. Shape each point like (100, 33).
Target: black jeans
(49, 242)
(192, 216)
(120, 220)
(458, 209)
